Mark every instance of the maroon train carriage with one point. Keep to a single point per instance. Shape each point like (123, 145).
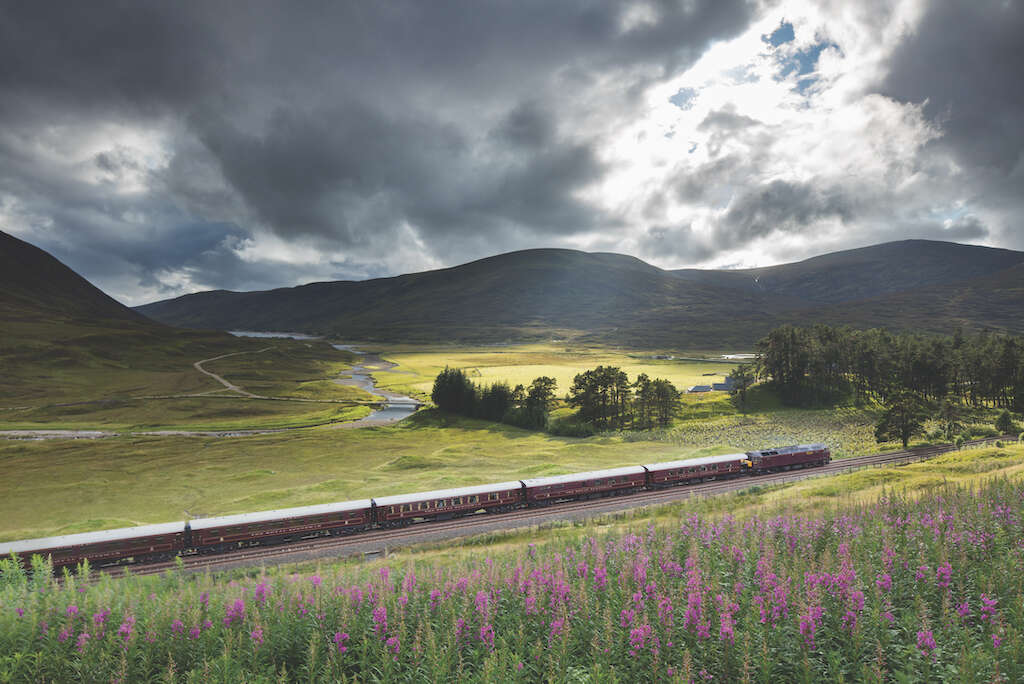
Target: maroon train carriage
(695, 470)
(788, 458)
(543, 491)
(157, 542)
(204, 535)
(403, 509)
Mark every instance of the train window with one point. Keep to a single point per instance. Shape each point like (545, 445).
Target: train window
(458, 501)
(392, 509)
(474, 499)
(492, 497)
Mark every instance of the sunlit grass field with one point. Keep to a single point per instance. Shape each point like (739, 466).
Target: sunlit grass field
(56, 487)
(520, 364)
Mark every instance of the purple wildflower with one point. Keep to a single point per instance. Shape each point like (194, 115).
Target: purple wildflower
(393, 644)
(339, 640)
(256, 635)
(234, 612)
(943, 575)
(380, 619)
(487, 635)
(177, 627)
(83, 639)
(926, 642)
(72, 610)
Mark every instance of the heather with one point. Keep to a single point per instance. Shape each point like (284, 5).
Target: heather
(900, 588)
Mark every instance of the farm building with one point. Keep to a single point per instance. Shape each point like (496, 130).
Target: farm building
(699, 388)
(727, 386)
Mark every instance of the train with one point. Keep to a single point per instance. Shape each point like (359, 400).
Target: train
(222, 534)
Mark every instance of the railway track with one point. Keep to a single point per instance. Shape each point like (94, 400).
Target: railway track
(381, 541)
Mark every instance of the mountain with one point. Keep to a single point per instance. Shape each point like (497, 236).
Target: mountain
(33, 283)
(545, 293)
(530, 294)
(64, 340)
(865, 273)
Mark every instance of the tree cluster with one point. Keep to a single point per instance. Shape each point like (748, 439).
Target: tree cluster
(911, 375)
(607, 400)
(817, 365)
(526, 407)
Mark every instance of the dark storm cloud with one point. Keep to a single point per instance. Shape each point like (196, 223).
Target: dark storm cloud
(341, 123)
(781, 206)
(963, 62)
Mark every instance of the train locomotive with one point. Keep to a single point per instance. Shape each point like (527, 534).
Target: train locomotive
(165, 541)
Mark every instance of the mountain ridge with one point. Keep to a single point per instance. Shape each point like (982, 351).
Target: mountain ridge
(608, 297)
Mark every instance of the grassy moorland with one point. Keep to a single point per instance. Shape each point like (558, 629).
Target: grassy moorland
(60, 486)
(152, 384)
(916, 582)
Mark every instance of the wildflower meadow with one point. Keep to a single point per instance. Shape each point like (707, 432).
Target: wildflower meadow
(899, 589)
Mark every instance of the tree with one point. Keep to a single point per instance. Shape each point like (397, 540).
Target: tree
(743, 377)
(950, 413)
(495, 401)
(602, 396)
(541, 395)
(666, 401)
(453, 392)
(1005, 424)
(903, 419)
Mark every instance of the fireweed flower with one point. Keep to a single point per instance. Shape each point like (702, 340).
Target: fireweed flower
(487, 635)
(963, 609)
(380, 619)
(19, 611)
(339, 641)
(943, 575)
(234, 612)
(194, 632)
(988, 607)
(100, 617)
(72, 610)
(393, 644)
(261, 593)
(256, 635)
(884, 581)
(83, 639)
(926, 642)
(127, 627)
(177, 627)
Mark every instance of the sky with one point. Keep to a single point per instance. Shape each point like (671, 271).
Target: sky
(166, 148)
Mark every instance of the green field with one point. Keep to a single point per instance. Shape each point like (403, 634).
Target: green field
(156, 387)
(64, 486)
(520, 364)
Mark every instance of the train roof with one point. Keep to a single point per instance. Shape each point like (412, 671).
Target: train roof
(278, 514)
(576, 477)
(691, 462)
(398, 499)
(49, 543)
(790, 449)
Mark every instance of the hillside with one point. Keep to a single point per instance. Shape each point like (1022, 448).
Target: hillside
(544, 293)
(865, 273)
(65, 340)
(521, 295)
(33, 282)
